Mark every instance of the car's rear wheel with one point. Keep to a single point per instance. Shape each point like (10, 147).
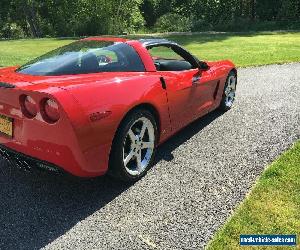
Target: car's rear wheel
(133, 148)
(229, 92)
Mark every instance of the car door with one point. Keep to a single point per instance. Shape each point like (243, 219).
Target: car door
(180, 98)
(189, 90)
(178, 83)
(205, 86)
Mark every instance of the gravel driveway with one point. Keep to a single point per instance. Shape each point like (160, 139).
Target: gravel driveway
(201, 175)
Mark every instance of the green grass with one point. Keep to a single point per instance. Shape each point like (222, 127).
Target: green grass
(18, 52)
(272, 207)
(244, 49)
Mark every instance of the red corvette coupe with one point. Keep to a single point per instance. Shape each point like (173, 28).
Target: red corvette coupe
(103, 104)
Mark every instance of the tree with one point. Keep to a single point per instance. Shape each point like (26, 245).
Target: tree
(39, 18)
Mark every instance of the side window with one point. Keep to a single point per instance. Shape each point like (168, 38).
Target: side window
(106, 56)
(116, 58)
(92, 60)
(163, 52)
(165, 59)
(84, 57)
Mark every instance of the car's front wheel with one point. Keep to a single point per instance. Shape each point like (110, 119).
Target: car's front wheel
(133, 148)
(229, 92)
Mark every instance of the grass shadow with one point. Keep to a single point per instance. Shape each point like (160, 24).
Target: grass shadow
(208, 37)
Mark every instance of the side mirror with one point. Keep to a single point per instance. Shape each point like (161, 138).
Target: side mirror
(203, 65)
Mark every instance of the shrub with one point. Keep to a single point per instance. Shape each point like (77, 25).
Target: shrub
(172, 22)
(12, 30)
(248, 25)
(201, 25)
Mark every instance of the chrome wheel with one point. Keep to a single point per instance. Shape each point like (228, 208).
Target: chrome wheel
(230, 91)
(138, 146)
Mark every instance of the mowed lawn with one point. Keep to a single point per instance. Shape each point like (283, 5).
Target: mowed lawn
(244, 49)
(272, 207)
(18, 52)
(247, 49)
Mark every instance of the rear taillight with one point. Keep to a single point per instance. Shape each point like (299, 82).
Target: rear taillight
(50, 110)
(28, 106)
(48, 107)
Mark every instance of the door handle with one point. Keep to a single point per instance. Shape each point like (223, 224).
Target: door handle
(163, 83)
(196, 79)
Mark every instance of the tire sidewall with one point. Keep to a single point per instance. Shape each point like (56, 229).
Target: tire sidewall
(116, 164)
(223, 105)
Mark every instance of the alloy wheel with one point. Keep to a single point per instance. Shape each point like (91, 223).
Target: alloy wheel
(230, 91)
(138, 146)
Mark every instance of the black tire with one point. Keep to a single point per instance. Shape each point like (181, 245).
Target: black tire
(224, 105)
(117, 168)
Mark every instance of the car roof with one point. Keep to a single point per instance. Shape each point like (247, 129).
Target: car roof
(105, 38)
(150, 42)
(146, 42)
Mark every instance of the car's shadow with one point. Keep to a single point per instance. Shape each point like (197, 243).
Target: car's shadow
(37, 208)
(165, 150)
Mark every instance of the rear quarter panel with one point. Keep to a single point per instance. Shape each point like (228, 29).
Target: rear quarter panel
(117, 95)
(56, 143)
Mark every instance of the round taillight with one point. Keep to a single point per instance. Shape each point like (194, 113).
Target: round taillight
(28, 105)
(50, 110)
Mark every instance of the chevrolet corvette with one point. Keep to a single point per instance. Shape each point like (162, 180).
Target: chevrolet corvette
(103, 104)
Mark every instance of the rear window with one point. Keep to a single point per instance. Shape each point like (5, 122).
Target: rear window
(83, 57)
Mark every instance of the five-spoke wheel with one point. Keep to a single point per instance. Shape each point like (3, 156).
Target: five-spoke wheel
(229, 92)
(138, 146)
(134, 146)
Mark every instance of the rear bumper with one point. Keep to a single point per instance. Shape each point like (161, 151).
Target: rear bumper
(26, 162)
(70, 143)
(64, 161)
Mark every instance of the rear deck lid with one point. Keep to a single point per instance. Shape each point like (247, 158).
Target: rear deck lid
(10, 79)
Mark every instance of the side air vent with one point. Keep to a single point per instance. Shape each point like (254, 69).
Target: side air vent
(6, 85)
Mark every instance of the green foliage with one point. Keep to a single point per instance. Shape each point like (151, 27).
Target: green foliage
(40, 18)
(12, 30)
(173, 22)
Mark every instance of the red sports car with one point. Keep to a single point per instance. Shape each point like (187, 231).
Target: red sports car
(103, 104)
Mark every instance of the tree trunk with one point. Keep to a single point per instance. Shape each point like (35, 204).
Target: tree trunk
(31, 18)
(253, 10)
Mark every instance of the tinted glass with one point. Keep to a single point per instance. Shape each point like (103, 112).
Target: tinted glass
(162, 52)
(83, 57)
(166, 59)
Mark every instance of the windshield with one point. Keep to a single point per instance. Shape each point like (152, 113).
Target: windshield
(83, 57)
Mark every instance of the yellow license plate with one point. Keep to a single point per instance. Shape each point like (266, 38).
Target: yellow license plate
(6, 125)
